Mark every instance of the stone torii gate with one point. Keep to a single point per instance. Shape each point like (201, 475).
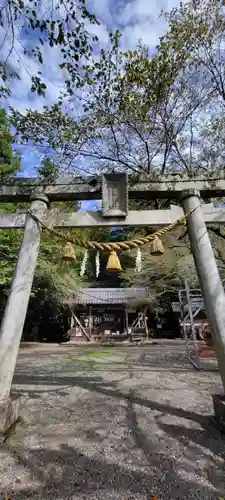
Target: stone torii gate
(113, 190)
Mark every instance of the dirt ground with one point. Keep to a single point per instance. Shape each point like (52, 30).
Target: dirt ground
(113, 424)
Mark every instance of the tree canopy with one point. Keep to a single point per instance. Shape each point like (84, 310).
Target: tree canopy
(33, 28)
(145, 115)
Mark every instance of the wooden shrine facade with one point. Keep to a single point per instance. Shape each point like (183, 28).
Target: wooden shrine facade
(108, 313)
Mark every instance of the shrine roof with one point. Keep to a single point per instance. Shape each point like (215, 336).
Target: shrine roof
(109, 295)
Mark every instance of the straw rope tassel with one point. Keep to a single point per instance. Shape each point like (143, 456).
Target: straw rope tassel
(113, 264)
(157, 247)
(69, 254)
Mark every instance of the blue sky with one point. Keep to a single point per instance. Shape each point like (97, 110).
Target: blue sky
(136, 19)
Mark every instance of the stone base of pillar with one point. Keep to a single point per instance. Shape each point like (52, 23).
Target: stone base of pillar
(10, 410)
(219, 410)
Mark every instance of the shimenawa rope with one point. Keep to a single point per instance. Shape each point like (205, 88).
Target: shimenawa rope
(120, 245)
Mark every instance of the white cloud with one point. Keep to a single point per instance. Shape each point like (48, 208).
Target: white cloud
(21, 98)
(142, 20)
(136, 19)
(31, 157)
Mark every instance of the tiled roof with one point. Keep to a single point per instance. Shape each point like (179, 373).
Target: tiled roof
(109, 295)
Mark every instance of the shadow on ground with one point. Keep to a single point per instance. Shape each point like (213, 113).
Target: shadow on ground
(97, 384)
(133, 464)
(66, 473)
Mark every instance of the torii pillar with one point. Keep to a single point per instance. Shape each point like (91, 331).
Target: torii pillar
(16, 309)
(210, 282)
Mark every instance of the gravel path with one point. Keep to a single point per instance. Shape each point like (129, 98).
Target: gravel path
(120, 424)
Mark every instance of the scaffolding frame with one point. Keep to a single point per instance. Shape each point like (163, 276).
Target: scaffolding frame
(191, 303)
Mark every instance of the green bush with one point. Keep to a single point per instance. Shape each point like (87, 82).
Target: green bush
(47, 317)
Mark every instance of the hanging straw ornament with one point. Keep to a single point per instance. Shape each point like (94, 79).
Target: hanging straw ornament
(97, 264)
(157, 247)
(84, 263)
(113, 264)
(69, 254)
(138, 262)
